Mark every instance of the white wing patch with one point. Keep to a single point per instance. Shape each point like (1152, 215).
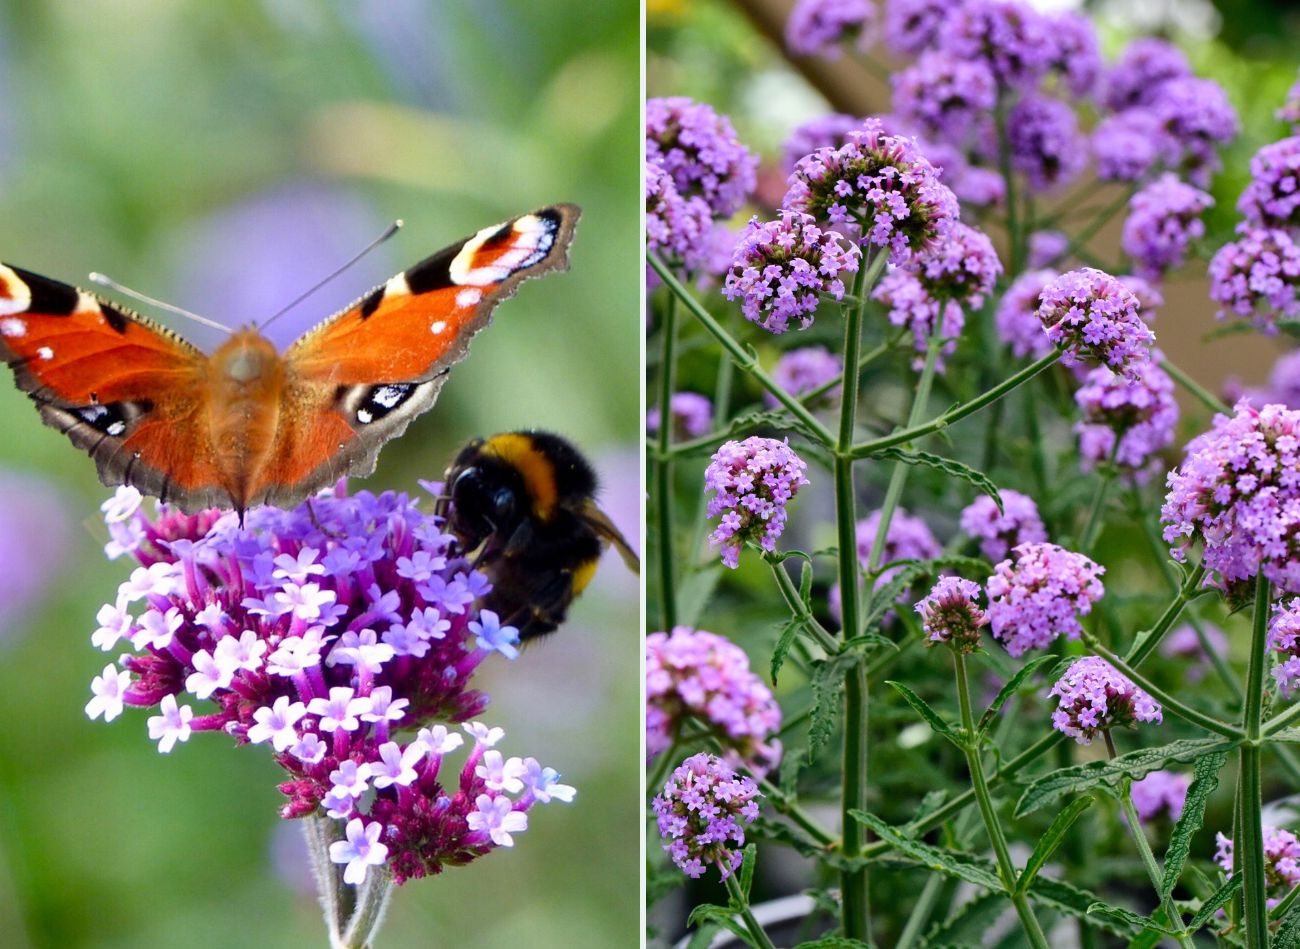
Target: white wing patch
(15, 295)
(13, 326)
(530, 240)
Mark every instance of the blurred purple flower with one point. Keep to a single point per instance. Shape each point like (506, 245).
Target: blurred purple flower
(1143, 66)
(675, 227)
(702, 808)
(1195, 114)
(1047, 248)
(1164, 217)
(692, 415)
(819, 27)
(908, 538)
(1183, 643)
(1149, 297)
(1272, 198)
(801, 370)
(1141, 413)
(915, 25)
(1281, 861)
(1128, 145)
(699, 148)
(1039, 593)
(1290, 111)
(908, 304)
(1089, 315)
(1096, 697)
(1046, 145)
(1160, 791)
(35, 546)
(998, 531)
(1012, 38)
(943, 95)
(1077, 57)
(1284, 639)
(753, 481)
(825, 131)
(1017, 319)
(1257, 277)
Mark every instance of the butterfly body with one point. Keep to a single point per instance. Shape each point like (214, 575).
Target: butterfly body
(247, 424)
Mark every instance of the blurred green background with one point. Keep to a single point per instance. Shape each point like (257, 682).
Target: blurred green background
(225, 156)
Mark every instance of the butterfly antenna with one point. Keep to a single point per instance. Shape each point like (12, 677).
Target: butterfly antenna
(103, 281)
(389, 232)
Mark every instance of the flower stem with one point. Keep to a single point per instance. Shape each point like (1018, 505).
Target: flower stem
(1250, 844)
(353, 914)
(866, 449)
(1086, 232)
(1006, 869)
(1146, 642)
(1092, 529)
(1206, 397)
(664, 471)
(797, 608)
(738, 899)
(1015, 239)
(778, 799)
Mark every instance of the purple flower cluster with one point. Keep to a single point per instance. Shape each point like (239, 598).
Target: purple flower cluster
(1095, 697)
(1141, 413)
(1136, 77)
(1127, 145)
(675, 227)
(1281, 861)
(1046, 145)
(1047, 248)
(694, 673)
(1039, 593)
(1196, 115)
(908, 538)
(754, 480)
(692, 415)
(882, 184)
(1160, 791)
(1090, 314)
(950, 614)
(323, 632)
(826, 131)
(908, 304)
(1164, 217)
(1076, 54)
(1016, 319)
(699, 148)
(944, 96)
(962, 268)
(781, 268)
(1011, 38)
(704, 807)
(818, 27)
(800, 371)
(1238, 491)
(998, 531)
(1257, 277)
(914, 25)
(1284, 639)
(1272, 199)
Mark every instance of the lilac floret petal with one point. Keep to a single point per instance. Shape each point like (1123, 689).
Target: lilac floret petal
(700, 150)
(1038, 594)
(1140, 413)
(752, 482)
(702, 812)
(1257, 277)
(1090, 315)
(950, 613)
(1000, 530)
(1164, 218)
(1095, 697)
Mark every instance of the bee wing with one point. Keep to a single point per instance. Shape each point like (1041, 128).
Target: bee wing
(604, 527)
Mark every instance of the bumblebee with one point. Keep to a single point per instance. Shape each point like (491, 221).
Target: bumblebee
(525, 501)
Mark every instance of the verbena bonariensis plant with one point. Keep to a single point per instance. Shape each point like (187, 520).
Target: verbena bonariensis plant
(342, 637)
(980, 452)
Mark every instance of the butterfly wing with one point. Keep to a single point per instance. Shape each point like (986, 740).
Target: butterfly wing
(358, 379)
(121, 388)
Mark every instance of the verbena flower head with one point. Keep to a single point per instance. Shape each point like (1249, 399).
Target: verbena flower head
(1284, 639)
(1016, 319)
(908, 304)
(1196, 114)
(914, 25)
(1257, 277)
(950, 614)
(1141, 413)
(998, 531)
(702, 812)
(754, 480)
(1143, 66)
(1012, 38)
(882, 184)
(1089, 314)
(908, 538)
(819, 27)
(1046, 248)
(944, 96)
(1076, 54)
(1046, 145)
(962, 268)
(800, 371)
(1128, 145)
(692, 415)
(699, 148)
(1160, 791)
(335, 634)
(1095, 697)
(1164, 217)
(1238, 492)
(1039, 593)
(1281, 861)
(825, 131)
(1182, 643)
(675, 227)
(781, 268)
(694, 673)
(1272, 199)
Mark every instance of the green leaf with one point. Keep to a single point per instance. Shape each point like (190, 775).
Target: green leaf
(1288, 933)
(783, 644)
(922, 708)
(1204, 781)
(827, 679)
(1050, 840)
(1107, 775)
(835, 942)
(1075, 901)
(703, 937)
(968, 925)
(1291, 734)
(1011, 688)
(947, 862)
(948, 466)
(748, 857)
(719, 915)
(694, 591)
(1216, 901)
(1136, 920)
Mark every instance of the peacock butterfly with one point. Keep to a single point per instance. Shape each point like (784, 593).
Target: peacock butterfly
(247, 425)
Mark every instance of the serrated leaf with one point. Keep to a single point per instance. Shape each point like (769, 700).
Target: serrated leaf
(827, 679)
(1011, 688)
(948, 466)
(791, 764)
(702, 938)
(1136, 920)
(783, 644)
(1204, 780)
(932, 801)
(1050, 840)
(1106, 775)
(1288, 932)
(746, 877)
(1074, 901)
(721, 916)
(922, 708)
(770, 830)
(835, 942)
(947, 862)
(1216, 901)
(968, 925)
(870, 639)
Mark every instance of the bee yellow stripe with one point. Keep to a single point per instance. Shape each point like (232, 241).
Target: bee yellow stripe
(517, 450)
(582, 575)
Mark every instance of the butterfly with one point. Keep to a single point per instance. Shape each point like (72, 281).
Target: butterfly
(247, 425)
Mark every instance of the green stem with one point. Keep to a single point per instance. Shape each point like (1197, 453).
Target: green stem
(665, 762)
(921, 910)
(1006, 869)
(1092, 527)
(1015, 239)
(1207, 398)
(1146, 642)
(1279, 722)
(664, 472)
(1280, 910)
(1250, 845)
(743, 356)
(790, 593)
(778, 799)
(738, 899)
(1084, 234)
(911, 433)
